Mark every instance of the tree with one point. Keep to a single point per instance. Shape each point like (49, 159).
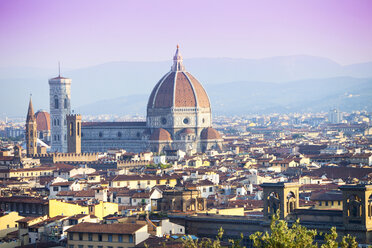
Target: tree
(280, 236)
(297, 236)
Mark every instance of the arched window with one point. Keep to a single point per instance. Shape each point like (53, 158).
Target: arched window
(57, 122)
(78, 129)
(56, 102)
(65, 103)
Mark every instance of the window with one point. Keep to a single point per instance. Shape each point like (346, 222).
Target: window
(186, 121)
(71, 129)
(65, 103)
(81, 246)
(90, 237)
(100, 134)
(326, 203)
(78, 129)
(99, 237)
(130, 238)
(90, 246)
(120, 238)
(210, 189)
(55, 188)
(71, 236)
(109, 238)
(320, 203)
(119, 134)
(56, 102)
(71, 246)
(80, 236)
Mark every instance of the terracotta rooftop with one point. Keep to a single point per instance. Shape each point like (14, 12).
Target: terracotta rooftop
(161, 135)
(209, 134)
(115, 124)
(116, 228)
(42, 121)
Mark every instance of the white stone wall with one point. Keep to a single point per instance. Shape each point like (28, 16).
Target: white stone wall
(60, 90)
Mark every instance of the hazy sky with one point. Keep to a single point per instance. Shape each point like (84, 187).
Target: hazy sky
(87, 32)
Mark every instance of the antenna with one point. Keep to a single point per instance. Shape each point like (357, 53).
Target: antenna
(59, 69)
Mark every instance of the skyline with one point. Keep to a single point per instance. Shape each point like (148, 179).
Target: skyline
(85, 33)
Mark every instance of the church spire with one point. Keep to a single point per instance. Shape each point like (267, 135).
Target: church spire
(177, 61)
(30, 112)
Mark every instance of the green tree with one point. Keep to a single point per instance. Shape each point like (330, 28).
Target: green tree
(280, 236)
(297, 236)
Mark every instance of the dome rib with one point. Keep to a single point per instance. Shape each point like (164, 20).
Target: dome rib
(193, 89)
(155, 102)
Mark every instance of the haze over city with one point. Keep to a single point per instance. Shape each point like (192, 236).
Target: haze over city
(185, 124)
(256, 42)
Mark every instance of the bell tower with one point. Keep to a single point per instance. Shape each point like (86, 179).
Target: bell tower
(60, 96)
(31, 131)
(73, 133)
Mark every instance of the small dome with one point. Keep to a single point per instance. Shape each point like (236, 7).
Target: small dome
(210, 134)
(187, 131)
(42, 120)
(161, 134)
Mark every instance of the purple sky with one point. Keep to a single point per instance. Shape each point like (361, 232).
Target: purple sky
(88, 32)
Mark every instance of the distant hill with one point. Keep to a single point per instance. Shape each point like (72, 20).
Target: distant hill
(310, 95)
(117, 79)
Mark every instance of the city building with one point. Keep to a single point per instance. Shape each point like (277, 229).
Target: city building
(106, 235)
(178, 117)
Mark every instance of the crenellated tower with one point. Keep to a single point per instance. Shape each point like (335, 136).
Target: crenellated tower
(31, 131)
(60, 96)
(74, 133)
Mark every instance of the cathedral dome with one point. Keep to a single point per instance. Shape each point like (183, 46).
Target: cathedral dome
(42, 120)
(160, 134)
(210, 134)
(178, 89)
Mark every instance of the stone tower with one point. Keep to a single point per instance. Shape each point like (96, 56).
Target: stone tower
(60, 96)
(280, 196)
(31, 131)
(73, 133)
(357, 207)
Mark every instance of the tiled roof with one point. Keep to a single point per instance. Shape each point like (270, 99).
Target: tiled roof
(43, 121)
(210, 134)
(116, 228)
(161, 135)
(115, 124)
(178, 89)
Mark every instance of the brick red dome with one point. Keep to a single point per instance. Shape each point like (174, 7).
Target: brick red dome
(42, 121)
(187, 131)
(179, 89)
(210, 134)
(161, 134)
